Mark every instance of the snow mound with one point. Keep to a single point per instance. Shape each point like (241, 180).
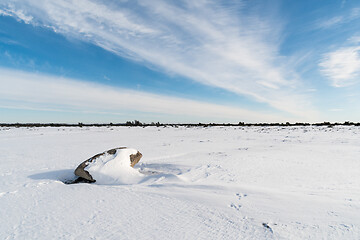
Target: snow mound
(114, 168)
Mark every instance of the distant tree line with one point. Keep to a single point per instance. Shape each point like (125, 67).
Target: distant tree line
(137, 123)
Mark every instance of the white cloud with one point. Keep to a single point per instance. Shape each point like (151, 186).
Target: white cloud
(355, 13)
(328, 23)
(354, 39)
(343, 2)
(342, 66)
(48, 93)
(18, 14)
(203, 41)
(336, 21)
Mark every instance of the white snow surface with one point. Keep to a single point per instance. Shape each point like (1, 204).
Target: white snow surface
(114, 168)
(191, 183)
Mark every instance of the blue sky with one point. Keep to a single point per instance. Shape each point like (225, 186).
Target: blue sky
(179, 61)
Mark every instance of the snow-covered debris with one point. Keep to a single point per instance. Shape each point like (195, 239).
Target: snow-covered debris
(114, 166)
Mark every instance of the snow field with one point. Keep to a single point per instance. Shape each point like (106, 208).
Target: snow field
(194, 183)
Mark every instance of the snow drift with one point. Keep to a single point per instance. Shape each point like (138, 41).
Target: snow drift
(114, 168)
(195, 183)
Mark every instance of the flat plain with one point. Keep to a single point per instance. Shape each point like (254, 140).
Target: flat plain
(195, 183)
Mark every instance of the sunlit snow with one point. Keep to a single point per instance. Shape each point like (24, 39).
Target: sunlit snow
(191, 183)
(114, 169)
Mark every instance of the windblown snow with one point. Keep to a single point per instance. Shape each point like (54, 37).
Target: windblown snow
(114, 168)
(191, 183)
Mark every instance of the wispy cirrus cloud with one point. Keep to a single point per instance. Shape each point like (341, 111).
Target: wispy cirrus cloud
(354, 39)
(339, 20)
(328, 23)
(216, 45)
(23, 90)
(342, 66)
(18, 13)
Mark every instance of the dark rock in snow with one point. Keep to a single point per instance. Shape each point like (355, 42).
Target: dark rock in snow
(135, 158)
(84, 176)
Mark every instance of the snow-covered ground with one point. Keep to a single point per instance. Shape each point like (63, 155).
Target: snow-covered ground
(194, 183)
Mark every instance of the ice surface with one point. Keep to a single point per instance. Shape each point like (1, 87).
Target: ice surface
(191, 183)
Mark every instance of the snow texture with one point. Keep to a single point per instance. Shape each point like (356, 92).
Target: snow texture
(191, 183)
(114, 168)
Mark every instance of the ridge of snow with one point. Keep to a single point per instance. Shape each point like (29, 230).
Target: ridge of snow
(114, 168)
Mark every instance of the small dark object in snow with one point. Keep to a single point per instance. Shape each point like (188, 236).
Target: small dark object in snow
(78, 180)
(267, 226)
